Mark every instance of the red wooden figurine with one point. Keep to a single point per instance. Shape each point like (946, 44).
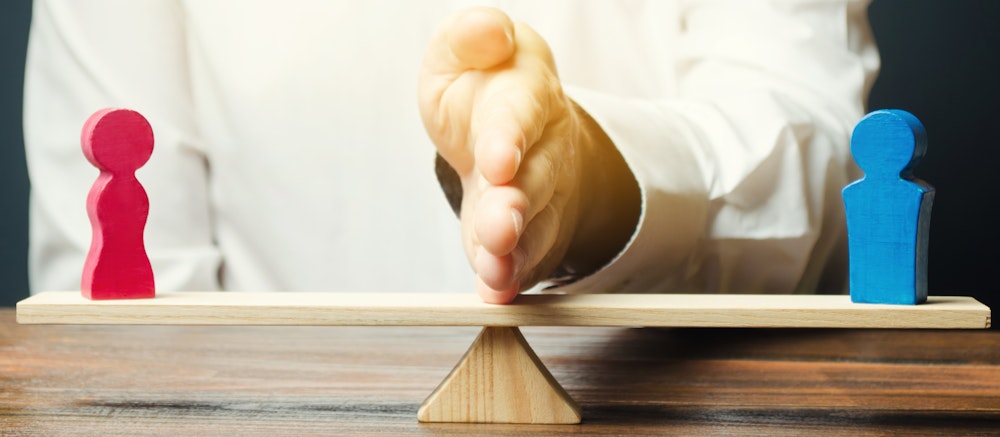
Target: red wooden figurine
(117, 142)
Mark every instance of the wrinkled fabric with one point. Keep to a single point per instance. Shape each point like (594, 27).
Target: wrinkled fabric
(290, 155)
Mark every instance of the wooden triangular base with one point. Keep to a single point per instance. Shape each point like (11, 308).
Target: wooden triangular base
(500, 380)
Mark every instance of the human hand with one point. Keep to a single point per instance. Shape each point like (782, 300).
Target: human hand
(493, 104)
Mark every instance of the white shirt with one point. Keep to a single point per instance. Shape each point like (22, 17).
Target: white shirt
(290, 155)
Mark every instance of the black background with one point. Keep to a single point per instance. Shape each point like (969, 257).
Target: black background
(940, 61)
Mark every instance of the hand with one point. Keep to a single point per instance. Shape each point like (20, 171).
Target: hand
(492, 102)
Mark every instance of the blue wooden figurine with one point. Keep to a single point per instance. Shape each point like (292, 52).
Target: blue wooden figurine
(888, 210)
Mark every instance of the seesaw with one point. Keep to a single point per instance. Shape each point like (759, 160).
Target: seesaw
(500, 379)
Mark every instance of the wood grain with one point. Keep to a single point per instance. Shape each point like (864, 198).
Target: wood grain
(315, 381)
(500, 380)
(450, 309)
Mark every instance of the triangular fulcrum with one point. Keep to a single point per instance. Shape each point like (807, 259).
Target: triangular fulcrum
(500, 380)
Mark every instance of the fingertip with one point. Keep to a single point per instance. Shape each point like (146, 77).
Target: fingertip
(496, 297)
(499, 155)
(497, 272)
(481, 37)
(500, 219)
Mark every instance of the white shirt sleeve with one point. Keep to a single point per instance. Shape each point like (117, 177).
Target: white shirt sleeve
(740, 153)
(741, 172)
(84, 56)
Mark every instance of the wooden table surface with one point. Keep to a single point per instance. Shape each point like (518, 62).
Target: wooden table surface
(199, 380)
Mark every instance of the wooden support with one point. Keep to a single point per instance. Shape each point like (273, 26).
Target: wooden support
(500, 380)
(453, 309)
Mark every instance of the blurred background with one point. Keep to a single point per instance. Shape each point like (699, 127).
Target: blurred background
(940, 61)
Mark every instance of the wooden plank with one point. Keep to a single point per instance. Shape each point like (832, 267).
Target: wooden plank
(451, 309)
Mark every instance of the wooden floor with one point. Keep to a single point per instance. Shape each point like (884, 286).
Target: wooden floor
(302, 381)
(444, 309)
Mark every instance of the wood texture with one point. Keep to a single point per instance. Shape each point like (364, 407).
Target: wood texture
(451, 309)
(358, 381)
(117, 142)
(500, 380)
(888, 211)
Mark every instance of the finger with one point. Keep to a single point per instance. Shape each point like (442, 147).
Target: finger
(511, 122)
(501, 297)
(537, 246)
(497, 272)
(524, 264)
(475, 38)
(500, 218)
(503, 211)
(467, 40)
(480, 38)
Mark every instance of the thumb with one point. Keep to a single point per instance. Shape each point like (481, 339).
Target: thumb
(472, 39)
(479, 38)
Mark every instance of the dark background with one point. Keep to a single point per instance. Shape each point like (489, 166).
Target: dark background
(941, 61)
(14, 17)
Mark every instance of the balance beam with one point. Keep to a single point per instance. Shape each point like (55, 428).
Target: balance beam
(454, 309)
(500, 379)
